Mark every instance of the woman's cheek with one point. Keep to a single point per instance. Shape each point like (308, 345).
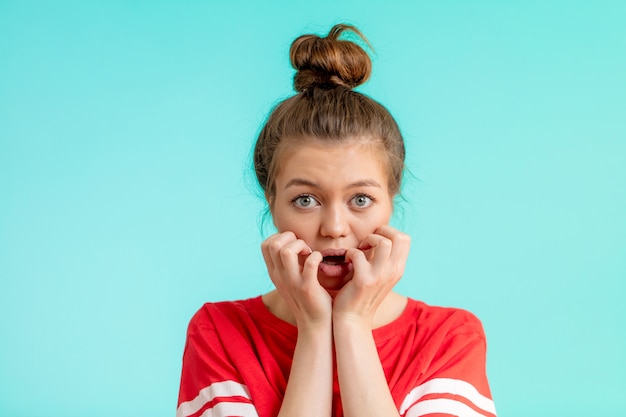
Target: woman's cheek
(291, 224)
(369, 229)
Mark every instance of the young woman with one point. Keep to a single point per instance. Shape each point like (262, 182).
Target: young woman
(333, 339)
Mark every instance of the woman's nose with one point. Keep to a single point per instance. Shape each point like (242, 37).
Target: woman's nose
(334, 222)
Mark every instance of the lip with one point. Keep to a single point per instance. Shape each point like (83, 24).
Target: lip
(334, 269)
(334, 257)
(333, 252)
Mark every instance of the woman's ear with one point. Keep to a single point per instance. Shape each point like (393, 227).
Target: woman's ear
(270, 205)
(268, 212)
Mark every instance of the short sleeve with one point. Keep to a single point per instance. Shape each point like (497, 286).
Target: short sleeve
(209, 381)
(455, 381)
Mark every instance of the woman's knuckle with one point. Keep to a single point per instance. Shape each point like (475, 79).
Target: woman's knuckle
(275, 246)
(404, 238)
(385, 243)
(287, 251)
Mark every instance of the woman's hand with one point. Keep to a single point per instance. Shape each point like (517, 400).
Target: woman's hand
(292, 267)
(378, 264)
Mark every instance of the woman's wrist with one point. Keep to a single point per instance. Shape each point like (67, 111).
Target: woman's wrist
(346, 324)
(312, 330)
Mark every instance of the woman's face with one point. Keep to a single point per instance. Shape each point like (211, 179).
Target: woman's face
(332, 196)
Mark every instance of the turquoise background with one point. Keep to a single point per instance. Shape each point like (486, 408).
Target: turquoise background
(126, 196)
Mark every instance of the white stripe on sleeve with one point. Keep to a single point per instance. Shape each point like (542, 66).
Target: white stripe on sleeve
(207, 394)
(448, 386)
(442, 406)
(231, 409)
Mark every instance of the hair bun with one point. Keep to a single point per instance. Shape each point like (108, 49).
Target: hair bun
(329, 62)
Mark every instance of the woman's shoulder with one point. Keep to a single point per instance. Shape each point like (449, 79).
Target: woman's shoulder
(453, 320)
(425, 321)
(212, 313)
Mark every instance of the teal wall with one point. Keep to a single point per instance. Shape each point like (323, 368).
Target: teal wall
(125, 198)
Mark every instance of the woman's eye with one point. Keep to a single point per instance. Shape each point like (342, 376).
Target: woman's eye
(362, 201)
(305, 201)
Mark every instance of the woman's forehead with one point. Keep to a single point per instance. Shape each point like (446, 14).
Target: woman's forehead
(347, 163)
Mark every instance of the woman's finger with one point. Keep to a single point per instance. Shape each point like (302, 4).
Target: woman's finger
(289, 254)
(376, 247)
(275, 244)
(387, 231)
(311, 265)
(400, 252)
(358, 259)
(265, 250)
(401, 243)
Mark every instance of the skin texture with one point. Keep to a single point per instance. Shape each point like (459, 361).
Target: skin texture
(333, 199)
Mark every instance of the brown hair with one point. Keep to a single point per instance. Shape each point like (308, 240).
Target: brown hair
(326, 108)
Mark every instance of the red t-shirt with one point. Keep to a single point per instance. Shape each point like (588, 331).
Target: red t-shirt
(238, 357)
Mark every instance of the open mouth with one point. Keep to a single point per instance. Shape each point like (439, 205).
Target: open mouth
(334, 260)
(335, 266)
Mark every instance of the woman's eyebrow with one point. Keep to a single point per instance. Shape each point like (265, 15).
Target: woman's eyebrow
(300, 181)
(362, 183)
